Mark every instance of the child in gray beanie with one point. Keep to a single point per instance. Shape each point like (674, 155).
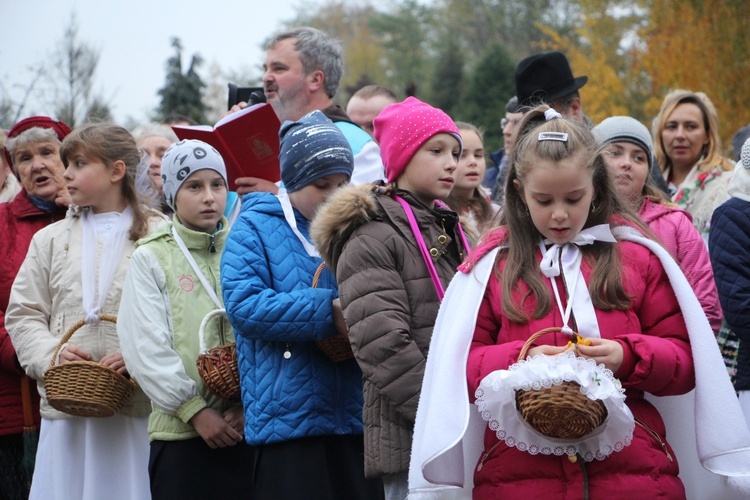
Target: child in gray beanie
(628, 152)
(303, 411)
(171, 286)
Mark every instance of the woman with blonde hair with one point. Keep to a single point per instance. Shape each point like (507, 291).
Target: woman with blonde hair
(688, 149)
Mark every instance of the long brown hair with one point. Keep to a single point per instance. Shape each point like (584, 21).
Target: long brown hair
(110, 143)
(606, 287)
(478, 204)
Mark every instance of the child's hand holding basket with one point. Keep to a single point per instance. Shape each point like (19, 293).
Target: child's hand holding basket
(557, 404)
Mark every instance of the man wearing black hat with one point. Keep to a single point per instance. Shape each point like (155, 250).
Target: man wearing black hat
(547, 78)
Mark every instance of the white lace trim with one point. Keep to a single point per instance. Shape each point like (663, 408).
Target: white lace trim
(496, 402)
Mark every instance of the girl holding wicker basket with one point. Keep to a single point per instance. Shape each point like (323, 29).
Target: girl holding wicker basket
(173, 283)
(60, 319)
(559, 265)
(569, 325)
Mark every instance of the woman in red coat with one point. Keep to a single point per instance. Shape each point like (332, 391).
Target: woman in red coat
(32, 148)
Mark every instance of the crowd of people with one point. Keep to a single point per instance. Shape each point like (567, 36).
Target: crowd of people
(455, 278)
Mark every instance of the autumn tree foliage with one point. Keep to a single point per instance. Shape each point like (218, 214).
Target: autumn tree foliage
(351, 24)
(700, 46)
(633, 51)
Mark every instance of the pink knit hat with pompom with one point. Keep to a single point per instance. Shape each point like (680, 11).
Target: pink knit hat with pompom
(403, 127)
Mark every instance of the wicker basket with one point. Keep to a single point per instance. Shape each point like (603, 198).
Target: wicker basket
(86, 388)
(561, 411)
(218, 366)
(336, 347)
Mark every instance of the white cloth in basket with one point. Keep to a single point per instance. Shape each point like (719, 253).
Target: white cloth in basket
(496, 402)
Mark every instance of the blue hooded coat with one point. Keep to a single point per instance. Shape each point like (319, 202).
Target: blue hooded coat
(290, 389)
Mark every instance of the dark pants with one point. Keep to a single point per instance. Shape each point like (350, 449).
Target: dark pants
(14, 485)
(324, 467)
(189, 469)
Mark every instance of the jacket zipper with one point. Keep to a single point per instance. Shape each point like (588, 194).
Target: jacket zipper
(655, 436)
(486, 455)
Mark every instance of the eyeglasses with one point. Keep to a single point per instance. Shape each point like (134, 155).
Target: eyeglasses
(504, 122)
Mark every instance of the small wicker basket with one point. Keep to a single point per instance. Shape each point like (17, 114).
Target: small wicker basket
(336, 347)
(86, 388)
(561, 411)
(218, 366)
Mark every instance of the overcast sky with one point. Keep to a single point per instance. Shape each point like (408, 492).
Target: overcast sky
(133, 39)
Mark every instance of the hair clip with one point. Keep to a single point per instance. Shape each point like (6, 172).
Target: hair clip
(553, 136)
(551, 114)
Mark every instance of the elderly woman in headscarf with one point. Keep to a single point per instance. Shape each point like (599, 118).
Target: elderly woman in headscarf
(32, 147)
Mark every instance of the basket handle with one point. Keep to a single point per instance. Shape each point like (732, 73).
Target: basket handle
(316, 276)
(75, 327)
(527, 345)
(202, 328)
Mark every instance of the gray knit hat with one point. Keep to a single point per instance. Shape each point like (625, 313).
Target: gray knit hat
(311, 148)
(182, 159)
(625, 129)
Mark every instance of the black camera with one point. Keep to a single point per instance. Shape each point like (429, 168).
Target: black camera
(251, 95)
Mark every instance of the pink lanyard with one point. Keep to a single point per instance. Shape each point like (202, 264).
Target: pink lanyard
(423, 246)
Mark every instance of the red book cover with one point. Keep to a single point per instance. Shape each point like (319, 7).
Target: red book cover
(248, 140)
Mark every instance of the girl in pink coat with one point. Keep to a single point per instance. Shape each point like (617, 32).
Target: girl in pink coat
(629, 155)
(559, 265)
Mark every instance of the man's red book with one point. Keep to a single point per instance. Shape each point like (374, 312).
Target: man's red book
(248, 140)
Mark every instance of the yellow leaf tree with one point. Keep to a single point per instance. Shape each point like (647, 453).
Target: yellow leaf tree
(602, 48)
(700, 46)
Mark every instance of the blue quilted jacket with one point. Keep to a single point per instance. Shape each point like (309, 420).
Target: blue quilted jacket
(729, 247)
(289, 388)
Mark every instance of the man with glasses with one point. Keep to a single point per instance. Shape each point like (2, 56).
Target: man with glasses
(509, 124)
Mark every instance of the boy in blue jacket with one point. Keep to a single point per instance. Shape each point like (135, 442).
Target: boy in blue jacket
(303, 412)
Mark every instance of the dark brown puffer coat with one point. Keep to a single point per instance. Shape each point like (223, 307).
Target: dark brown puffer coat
(390, 305)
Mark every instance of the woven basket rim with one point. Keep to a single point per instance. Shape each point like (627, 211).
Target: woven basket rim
(564, 395)
(222, 379)
(119, 387)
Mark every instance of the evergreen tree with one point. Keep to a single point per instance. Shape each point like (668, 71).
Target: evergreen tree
(489, 86)
(403, 35)
(448, 77)
(182, 93)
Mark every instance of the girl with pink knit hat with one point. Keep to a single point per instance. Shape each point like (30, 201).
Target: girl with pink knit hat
(394, 249)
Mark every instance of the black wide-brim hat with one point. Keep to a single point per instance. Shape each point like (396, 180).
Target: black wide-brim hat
(545, 78)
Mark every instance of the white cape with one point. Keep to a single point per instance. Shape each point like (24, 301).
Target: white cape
(705, 427)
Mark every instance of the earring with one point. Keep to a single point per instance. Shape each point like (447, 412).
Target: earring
(593, 206)
(526, 208)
